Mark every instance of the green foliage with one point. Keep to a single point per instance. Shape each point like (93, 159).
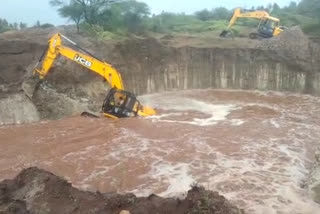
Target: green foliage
(23, 25)
(204, 15)
(127, 16)
(72, 11)
(111, 15)
(6, 26)
(310, 8)
(97, 32)
(46, 25)
(312, 29)
(306, 14)
(221, 13)
(166, 22)
(107, 18)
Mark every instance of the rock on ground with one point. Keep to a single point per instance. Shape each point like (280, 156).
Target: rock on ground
(17, 109)
(36, 191)
(314, 178)
(292, 43)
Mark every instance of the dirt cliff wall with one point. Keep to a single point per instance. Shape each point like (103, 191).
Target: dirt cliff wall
(192, 68)
(161, 68)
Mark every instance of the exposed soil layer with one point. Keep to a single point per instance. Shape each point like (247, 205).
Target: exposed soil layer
(37, 191)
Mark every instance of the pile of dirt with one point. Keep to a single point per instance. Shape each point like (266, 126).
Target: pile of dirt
(290, 43)
(38, 191)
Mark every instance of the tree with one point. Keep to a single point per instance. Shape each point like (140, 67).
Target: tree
(15, 26)
(22, 25)
(91, 9)
(73, 11)
(37, 24)
(4, 25)
(203, 15)
(129, 14)
(46, 25)
(293, 6)
(310, 8)
(221, 13)
(275, 7)
(260, 8)
(269, 7)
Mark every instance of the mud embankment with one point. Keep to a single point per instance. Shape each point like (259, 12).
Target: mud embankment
(15, 56)
(151, 66)
(36, 191)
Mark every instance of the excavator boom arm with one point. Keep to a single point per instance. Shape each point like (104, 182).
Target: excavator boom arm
(130, 107)
(110, 74)
(259, 14)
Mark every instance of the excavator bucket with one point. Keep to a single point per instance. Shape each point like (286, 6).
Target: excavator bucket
(30, 83)
(146, 111)
(225, 34)
(91, 114)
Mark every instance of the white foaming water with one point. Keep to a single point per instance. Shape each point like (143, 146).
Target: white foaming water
(216, 113)
(237, 122)
(176, 175)
(265, 176)
(253, 151)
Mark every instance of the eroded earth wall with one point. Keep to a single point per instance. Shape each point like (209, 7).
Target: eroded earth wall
(194, 68)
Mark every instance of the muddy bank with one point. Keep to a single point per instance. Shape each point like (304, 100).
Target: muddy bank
(153, 67)
(37, 191)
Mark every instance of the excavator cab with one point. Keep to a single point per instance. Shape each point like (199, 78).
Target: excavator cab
(120, 104)
(267, 27)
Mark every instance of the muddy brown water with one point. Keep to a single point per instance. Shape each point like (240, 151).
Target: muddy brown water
(255, 148)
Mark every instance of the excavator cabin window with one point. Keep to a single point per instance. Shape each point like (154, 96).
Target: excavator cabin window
(120, 103)
(266, 27)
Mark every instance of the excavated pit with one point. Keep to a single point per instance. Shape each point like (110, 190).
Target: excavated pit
(148, 65)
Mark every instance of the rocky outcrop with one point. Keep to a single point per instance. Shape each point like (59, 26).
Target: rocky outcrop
(16, 109)
(36, 191)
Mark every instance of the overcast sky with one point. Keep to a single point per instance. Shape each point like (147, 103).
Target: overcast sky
(31, 11)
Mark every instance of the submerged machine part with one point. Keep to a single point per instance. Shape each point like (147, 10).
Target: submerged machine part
(118, 103)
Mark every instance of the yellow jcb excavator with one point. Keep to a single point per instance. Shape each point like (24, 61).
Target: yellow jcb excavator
(268, 25)
(118, 102)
